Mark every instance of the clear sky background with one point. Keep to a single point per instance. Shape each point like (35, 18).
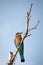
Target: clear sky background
(12, 20)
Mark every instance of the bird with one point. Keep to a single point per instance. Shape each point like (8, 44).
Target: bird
(17, 42)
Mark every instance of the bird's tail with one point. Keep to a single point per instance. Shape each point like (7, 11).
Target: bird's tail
(22, 59)
(21, 56)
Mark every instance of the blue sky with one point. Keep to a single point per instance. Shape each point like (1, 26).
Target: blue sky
(12, 20)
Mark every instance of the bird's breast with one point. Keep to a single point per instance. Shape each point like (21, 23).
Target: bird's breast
(18, 39)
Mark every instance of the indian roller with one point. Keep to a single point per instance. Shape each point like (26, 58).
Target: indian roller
(17, 41)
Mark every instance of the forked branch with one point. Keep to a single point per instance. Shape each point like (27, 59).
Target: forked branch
(10, 62)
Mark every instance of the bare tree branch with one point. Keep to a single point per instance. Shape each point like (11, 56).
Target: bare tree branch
(35, 27)
(26, 33)
(10, 62)
(28, 13)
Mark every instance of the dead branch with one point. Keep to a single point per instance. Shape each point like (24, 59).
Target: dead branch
(35, 27)
(26, 33)
(10, 62)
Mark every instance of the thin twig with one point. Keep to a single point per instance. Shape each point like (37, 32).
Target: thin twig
(35, 27)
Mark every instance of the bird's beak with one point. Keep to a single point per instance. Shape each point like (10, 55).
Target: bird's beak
(21, 32)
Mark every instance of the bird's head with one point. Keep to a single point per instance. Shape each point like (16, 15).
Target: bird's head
(18, 34)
